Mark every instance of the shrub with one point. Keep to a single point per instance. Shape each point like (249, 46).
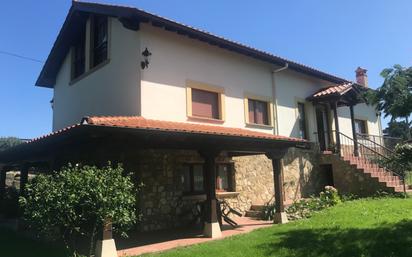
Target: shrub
(78, 200)
(304, 208)
(269, 211)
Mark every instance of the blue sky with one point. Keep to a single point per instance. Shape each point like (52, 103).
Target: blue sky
(333, 36)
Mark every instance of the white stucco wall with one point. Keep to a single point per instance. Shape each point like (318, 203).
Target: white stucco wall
(115, 89)
(292, 88)
(111, 90)
(176, 59)
(362, 112)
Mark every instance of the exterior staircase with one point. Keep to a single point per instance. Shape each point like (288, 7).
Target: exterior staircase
(256, 211)
(386, 178)
(370, 160)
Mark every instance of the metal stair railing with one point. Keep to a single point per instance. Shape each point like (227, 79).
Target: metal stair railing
(373, 155)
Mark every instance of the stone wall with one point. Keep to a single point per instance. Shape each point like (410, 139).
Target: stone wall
(349, 180)
(301, 174)
(163, 204)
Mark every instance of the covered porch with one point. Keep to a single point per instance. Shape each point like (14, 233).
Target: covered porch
(328, 100)
(120, 139)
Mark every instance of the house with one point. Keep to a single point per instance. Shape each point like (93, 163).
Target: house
(199, 117)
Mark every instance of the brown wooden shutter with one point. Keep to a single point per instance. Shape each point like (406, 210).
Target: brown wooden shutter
(251, 104)
(205, 104)
(258, 112)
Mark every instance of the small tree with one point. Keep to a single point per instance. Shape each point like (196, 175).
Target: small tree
(78, 200)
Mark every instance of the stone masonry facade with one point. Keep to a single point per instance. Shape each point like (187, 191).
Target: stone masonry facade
(162, 203)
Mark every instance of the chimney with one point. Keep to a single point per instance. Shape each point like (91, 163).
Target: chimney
(361, 76)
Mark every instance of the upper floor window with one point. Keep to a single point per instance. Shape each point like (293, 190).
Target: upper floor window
(258, 112)
(361, 127)
(204, 101)
(99, 40)
(205, 104)
(302, 121)
(79, 55)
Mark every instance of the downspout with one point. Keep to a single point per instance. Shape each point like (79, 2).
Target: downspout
(275, 101)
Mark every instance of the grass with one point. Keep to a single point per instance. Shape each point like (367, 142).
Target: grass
(364, 228)
(361, 228)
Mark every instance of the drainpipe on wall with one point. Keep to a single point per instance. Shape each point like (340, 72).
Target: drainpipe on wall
(275, 104)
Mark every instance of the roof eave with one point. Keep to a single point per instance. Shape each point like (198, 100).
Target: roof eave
(142, 16)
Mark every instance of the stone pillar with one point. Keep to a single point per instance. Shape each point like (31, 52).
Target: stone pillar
(3, 173)
(24, 175)
(276, 157)
(355, 136)
(211, 227)
(335, 116)
(106, 247)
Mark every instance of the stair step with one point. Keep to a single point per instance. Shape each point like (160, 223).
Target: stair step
(253, 214)
(257, 207)
(387, 179)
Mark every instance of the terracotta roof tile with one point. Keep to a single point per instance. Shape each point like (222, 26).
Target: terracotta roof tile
(339, 89)
(143, 123)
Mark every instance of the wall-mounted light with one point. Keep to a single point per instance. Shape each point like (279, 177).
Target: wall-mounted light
(146, 55)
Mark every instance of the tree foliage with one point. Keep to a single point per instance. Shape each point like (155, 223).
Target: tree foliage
(7, 142)
(394, 97)
(398, 129)
(78, 200)
(401, 160)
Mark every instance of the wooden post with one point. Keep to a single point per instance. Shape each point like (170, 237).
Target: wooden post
(355, 136)
(106, 247)
(276, 157)
(212, 227)
(335, 116)
(24, 175)
(3, 173)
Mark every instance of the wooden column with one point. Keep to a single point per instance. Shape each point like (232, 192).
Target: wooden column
(24, 175)
(334, 106)
(355, 136)
(3, 173)
(212, 227)
(276, 157)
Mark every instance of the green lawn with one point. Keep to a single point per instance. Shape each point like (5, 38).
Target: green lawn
(375, 228)
(367, 228)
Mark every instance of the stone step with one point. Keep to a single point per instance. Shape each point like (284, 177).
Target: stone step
(253, 214)
(257, 207)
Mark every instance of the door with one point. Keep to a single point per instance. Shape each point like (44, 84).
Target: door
(323, 127)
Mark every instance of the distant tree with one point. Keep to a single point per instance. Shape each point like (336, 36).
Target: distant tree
(7, 142)
(78, 200)
(394, 97)
(397, 129)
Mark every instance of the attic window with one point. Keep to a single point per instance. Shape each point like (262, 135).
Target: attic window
(78, 55)
(99, 40)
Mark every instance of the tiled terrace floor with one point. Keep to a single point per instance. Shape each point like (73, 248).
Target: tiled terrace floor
(140, 243)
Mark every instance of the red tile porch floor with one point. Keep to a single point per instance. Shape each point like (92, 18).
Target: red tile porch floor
(148, 242)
